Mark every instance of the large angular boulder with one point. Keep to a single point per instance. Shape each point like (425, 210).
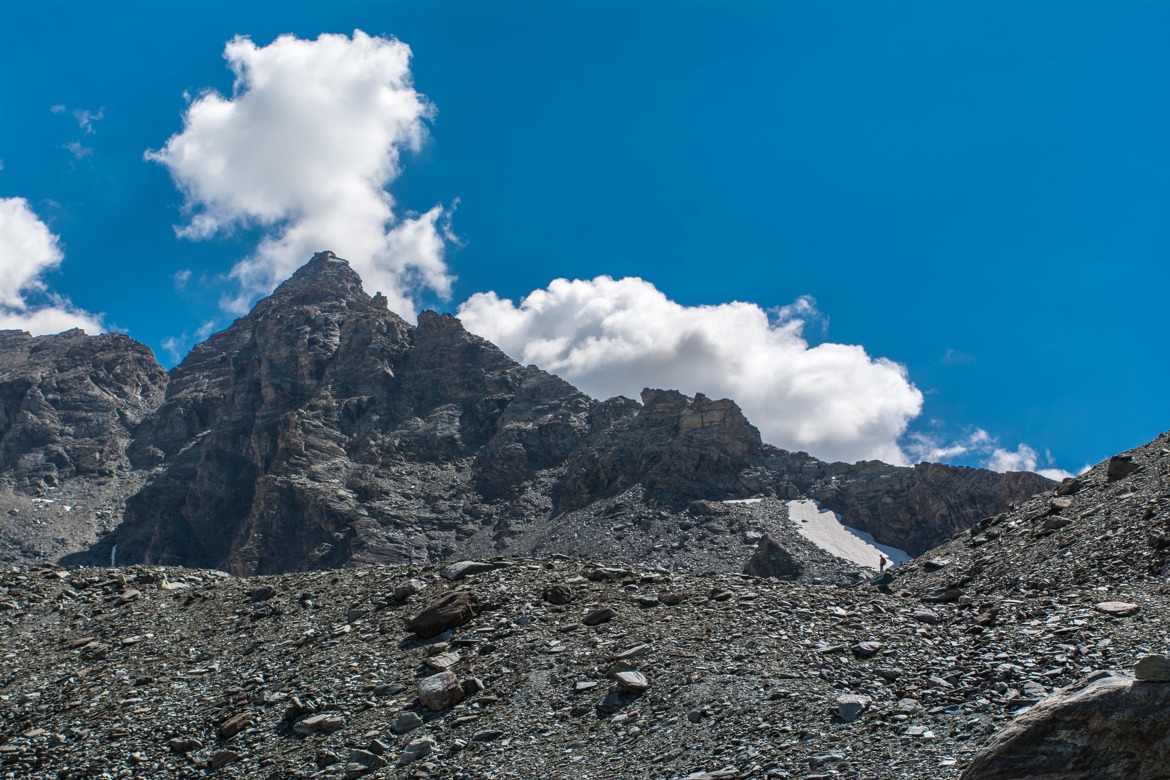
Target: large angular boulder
(772, 560)
(451, 611)
(1115, 728)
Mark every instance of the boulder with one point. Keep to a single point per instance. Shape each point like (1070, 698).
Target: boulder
(451, 611)
(772, 560)
(461, 569)
(1112, 729)
(1154, 668)
(1118, 608)
(440, 691)
(1121, 466)
(557, 594)
(850, 706)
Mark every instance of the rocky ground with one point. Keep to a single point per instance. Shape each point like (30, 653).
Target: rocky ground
(557, 668)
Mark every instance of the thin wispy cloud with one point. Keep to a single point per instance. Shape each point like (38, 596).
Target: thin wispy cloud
(305, 148)
(954, 357)
(85, 121)
(85, 118)
(77, 149)
(28, 252)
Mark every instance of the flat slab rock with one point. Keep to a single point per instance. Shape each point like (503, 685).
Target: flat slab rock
(462, 569)
(1118, 608)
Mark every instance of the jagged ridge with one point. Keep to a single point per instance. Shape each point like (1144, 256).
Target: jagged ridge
(322, 429)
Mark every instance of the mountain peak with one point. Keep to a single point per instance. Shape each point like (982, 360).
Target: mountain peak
(326, 277)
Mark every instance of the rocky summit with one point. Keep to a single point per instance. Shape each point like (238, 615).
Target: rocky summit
(322, 430)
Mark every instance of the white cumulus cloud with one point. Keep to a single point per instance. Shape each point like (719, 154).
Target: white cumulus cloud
(305, 148)
(28, 249)
(615, 336)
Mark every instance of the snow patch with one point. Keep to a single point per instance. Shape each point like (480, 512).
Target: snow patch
(822, 528)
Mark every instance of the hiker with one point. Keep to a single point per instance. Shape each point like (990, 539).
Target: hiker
(882, 563)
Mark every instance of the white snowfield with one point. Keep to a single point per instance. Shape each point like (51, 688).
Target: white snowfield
(823, 529)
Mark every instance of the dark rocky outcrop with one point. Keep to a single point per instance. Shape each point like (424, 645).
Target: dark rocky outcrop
(322, 430)
(920, 506)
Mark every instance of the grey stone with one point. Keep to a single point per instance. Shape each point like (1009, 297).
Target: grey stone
(222, 758)
(451, 611)
(850, 706)
(389, 689)
(261, 593)
(1121, 466)
(486, 735)
(632, 681)
(1118, 608)
(599, 616)
(867, 649)
(325, 723)
(440, 691)
(461, 569)
(772, 560)
(1152, 668)
(557, 594)
(416, 750)
(406, 590)
(406, 723)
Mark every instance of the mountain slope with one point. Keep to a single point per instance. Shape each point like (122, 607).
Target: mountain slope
(1108, 529)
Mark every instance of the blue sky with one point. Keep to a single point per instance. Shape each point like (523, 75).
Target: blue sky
(975, 192)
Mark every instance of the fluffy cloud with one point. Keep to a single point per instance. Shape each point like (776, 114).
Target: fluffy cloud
(305, 148)
(615, 336)
(28, 249)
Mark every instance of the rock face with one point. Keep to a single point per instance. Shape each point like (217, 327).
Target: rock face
(69, 405)
(1113, 729)
(322, 430)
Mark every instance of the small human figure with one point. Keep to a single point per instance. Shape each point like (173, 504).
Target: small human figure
(882, 563)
